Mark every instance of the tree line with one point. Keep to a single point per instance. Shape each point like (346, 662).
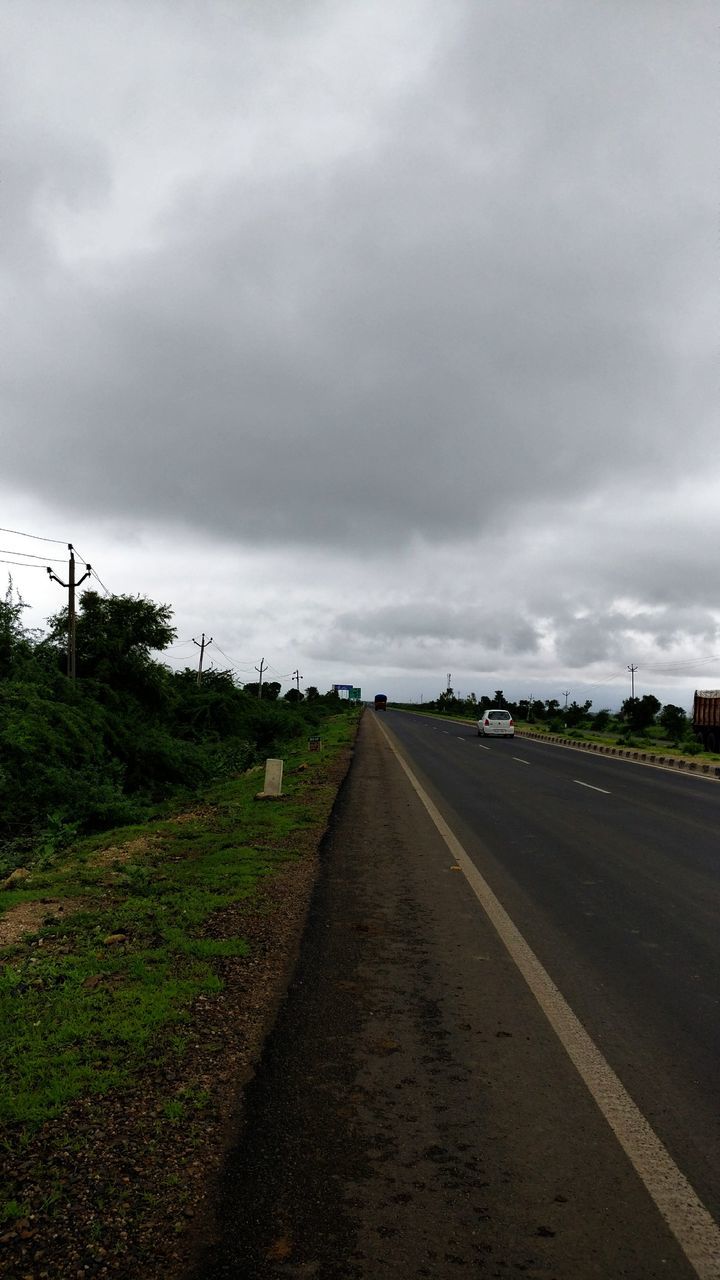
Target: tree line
(102, 749)
(636, 715)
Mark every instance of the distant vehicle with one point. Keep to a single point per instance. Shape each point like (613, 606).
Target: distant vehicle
(495, 723)
(706, 718)
(380, 702)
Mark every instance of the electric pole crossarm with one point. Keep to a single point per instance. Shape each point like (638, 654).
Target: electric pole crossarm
(202, 646)
(260, 670)
(71, 585)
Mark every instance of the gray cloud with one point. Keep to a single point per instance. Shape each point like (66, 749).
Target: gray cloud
(353, 349)
(421, 291)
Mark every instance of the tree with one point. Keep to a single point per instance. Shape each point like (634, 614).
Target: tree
(13, 640)
(115, 637)
(576, 713)
(270, 690)
(294, 695)
(445, 699)
(499, 699)
(639, 713)
(311, 693)
(601, 719)
(674, 721)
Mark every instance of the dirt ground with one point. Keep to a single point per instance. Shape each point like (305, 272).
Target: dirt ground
(155, 1183)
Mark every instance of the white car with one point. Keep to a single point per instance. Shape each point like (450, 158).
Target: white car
(495, 723)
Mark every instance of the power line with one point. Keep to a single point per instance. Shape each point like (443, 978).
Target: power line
(227, 657)
(244, 664)
(102, 584)
(94, 574)
(60, 541)
(686, 662)
(22, 565)
(30, 555)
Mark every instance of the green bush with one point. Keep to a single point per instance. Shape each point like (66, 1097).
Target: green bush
(84, 755)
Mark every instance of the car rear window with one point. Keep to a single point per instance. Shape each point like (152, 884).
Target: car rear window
(498, 715)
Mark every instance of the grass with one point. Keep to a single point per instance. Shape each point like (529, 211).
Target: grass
(651, 742)
(94, 998)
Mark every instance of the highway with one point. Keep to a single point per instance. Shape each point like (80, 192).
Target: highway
(611, 870)
(499, 1051)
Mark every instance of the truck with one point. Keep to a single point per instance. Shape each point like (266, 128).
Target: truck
(706, 718)
(381, 702)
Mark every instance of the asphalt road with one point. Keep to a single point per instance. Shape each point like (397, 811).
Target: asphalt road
(415, 1114)
(611, 870)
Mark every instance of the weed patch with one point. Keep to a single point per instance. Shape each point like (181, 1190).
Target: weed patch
(94, 997)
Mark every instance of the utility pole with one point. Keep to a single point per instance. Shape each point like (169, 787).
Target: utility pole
(449, 683)
(632, 669)
(297, 678)
(202, 646)
(567, 695)
(261, 668)
(71, 586)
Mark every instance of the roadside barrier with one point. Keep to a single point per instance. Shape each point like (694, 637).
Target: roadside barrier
(628, 753)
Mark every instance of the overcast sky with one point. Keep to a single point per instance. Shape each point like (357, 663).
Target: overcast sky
(377, 337)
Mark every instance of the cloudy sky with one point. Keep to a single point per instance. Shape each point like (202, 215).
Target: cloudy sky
(377, 337)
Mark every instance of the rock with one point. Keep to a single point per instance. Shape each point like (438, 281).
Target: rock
(16, 878)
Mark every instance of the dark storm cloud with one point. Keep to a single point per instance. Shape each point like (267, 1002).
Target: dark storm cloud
(430, 627)
(482, 300)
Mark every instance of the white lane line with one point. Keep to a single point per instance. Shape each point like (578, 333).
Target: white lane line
(590, 787)
(694, 1228)
(459, 738)
(520, 761)
(483, 747)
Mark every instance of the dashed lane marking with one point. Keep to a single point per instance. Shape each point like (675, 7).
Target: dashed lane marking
(590, 787)
(693, 1226)
(520, 760)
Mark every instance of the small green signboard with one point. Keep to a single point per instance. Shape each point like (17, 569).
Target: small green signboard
(354, 695)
